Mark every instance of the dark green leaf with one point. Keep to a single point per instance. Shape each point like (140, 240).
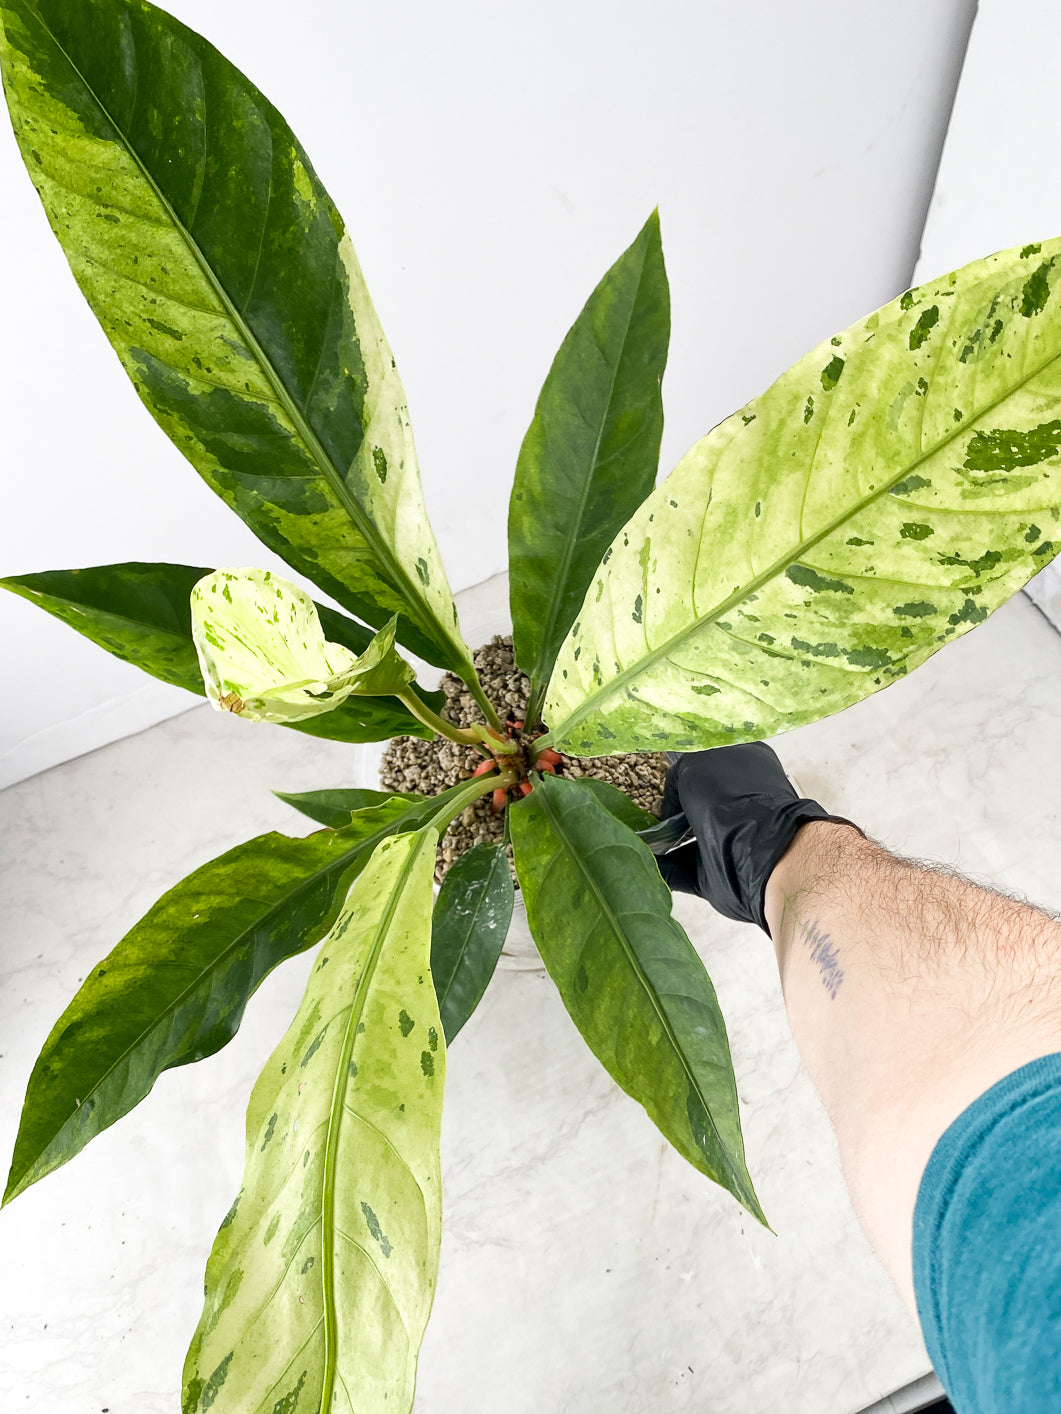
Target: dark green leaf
(631, 980)
(334, 807)
(617, 803)
(468, 930)
(140, 613)
(175, 988)
(221, 273)
(591, 454)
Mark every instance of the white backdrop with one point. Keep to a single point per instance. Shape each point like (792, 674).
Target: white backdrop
(491, 162)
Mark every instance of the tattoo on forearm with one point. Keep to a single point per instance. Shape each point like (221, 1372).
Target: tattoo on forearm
(825, 954)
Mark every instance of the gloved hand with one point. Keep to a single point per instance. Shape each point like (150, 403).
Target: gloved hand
(744, 815)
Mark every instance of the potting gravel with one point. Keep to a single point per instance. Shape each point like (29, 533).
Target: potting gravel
(432, 766)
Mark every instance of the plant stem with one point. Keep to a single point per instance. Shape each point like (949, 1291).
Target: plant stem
(534, 702)
(423, 713)
(481, 785)
(475, 687)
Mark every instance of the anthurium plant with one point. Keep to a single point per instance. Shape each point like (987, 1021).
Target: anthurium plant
(884, 496)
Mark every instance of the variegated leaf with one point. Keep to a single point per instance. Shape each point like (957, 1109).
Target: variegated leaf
(883, 497)
(322, 1276)
(221, 273)
(264, 656)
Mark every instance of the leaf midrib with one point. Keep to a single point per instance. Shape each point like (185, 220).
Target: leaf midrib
(642, 665)
(400, 581)
(609, 913)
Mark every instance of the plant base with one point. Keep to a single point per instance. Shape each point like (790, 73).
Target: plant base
(431, 766)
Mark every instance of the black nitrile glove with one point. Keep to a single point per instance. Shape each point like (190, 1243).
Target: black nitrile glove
(744, 815)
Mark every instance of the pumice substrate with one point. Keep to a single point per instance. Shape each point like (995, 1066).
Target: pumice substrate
(410, 764)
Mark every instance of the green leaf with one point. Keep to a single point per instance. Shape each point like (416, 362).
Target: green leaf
(591, 454)
(891, 490)
(221, 273)
(141, 613)
(631, 980)
(264, 656)
(175, 988)
(618, 804)
(321, 1279)
(471, 918)
(334, 807)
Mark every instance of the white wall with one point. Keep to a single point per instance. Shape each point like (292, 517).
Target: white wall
(491, 162)
(997, 183)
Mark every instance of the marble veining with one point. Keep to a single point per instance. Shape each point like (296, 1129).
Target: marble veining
(585, 1266)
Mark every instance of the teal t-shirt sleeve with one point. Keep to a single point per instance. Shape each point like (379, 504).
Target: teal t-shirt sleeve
(987, 1248)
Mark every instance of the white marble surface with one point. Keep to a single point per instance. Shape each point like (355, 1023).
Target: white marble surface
(585, 1266)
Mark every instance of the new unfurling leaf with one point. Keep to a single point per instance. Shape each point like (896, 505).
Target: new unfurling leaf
(264, 656)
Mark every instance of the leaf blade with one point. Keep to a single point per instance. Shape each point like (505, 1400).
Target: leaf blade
(333, 807)
(591, 453)
(630, 979)
(223, 278)
(146, 1009)
(469, 925)
(140, 613)
(356, 1123)
(895, 486)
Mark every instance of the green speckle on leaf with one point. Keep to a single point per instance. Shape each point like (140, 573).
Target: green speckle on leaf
(926, 322)
(908, 484)
(212, 1388)
(405, 1022)
(230, 1215)
(906, 301)
(868, 658)
(758, 509)
(270, 1231)
(808, 578)
(705, 689)
(808, 411)
(817, 650)
(854, 540)
(915, 530)
(1006, 448)
(316, 1042)
(422, 571)
(379, 461)
(289, 1403)
(918, 609)
(427, 1062)
(269, 1130)
(372, 1223)
(1033, 533)
(968, 613)
(1036, 291)
(638, 606)
(958, 414)
(830, 374)
(432, 1038)
(1027, 250)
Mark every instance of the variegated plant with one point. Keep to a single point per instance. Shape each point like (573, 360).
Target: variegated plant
(887, 493)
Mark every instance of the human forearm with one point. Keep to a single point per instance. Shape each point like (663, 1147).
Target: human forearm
(910, 990)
